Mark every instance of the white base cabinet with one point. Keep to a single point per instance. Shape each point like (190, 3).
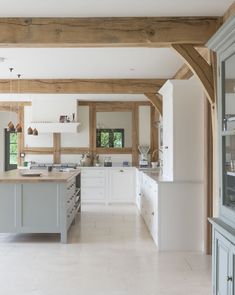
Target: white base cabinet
(94, 185)
(149, 205)
(121, 185)
(173, 213)
(108, 185)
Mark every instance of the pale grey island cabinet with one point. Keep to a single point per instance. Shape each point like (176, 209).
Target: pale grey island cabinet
(44, 204)
(223, 43)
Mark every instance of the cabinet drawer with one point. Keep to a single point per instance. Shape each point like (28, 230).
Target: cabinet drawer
(93, 182)
(93, 173)
(93, 194)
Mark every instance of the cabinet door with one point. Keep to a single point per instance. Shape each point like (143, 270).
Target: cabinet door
(168, 134)
(122, 183)
(221, 264)
(232, 270)
(8, 217)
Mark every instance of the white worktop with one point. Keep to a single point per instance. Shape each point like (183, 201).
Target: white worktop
(156, 176)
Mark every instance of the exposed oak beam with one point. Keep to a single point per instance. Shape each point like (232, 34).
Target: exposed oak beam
(106, 32)
(156, 100)
(199, 66)
(56, 148)
(38, 150)
(184, 72)
(16, 104)
(13, 106)
(229, 12)
(90, 86)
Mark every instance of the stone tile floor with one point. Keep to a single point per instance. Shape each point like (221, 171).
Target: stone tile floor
(110, 252)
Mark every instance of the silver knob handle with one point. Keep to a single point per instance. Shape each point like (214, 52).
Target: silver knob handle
(121, 170)
(166, 147)
(229, 279)
(153, 213)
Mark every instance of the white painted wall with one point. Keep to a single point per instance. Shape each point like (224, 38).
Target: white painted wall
(50, 108)
(116, 120)
(81, 139)
(4, 119)
(144, 125)
(39, 158)
(116, 159)
(42, 140)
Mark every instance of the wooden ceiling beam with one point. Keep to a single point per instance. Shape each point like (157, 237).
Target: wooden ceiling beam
(184, 72)
(15, 103)
(199, 66)
(106, 32)
(89, 86)
(156, 100)
(229, 12)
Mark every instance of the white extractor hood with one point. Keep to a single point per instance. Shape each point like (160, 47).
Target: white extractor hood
(46, 114)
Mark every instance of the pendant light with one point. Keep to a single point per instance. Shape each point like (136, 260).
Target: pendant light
(18, 128)
(35, 132)
(10, 125)
(30, 131)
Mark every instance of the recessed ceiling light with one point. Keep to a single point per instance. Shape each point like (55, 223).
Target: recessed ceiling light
(2, 59)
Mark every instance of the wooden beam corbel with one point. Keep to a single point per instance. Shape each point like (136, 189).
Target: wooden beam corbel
(156, 101)
(199, 66)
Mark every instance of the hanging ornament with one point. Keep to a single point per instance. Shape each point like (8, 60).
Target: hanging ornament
(30, 131)
(35, 132)
(10, 125)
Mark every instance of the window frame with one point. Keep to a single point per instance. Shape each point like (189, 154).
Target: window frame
(7, 165)
(111, 132)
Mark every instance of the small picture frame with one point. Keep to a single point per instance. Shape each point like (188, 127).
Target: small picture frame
(63, 119)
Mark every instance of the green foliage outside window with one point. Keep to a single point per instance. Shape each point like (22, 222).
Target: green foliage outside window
(13, 149)
(110, 138)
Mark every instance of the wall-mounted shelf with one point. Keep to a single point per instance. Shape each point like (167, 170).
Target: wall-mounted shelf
(51, 127)
(231, 173)
(228, 133)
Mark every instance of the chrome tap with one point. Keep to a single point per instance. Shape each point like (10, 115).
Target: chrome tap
(155, 151)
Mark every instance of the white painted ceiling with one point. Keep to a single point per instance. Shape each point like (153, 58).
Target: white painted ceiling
(106, 8)
(98, 62)
(89, 62)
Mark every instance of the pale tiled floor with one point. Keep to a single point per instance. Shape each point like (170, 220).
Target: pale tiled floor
(110, 253)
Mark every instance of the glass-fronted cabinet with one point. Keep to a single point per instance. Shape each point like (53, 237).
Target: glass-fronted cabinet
(227, 138)
(228, 131)
(223, 226)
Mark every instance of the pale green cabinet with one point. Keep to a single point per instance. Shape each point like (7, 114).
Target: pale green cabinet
(43, 207)
(223, 43)
(224, 266)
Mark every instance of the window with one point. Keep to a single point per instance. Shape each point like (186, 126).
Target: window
(11, 150)
(113, 138)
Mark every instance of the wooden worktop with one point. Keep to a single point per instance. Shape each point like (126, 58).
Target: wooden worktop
(15, 176)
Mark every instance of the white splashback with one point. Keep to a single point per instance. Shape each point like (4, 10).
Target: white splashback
(51, 108)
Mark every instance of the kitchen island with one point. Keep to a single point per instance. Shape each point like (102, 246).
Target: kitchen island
(43, 204)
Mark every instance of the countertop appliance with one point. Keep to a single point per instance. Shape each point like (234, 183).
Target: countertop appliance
(144, 155)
